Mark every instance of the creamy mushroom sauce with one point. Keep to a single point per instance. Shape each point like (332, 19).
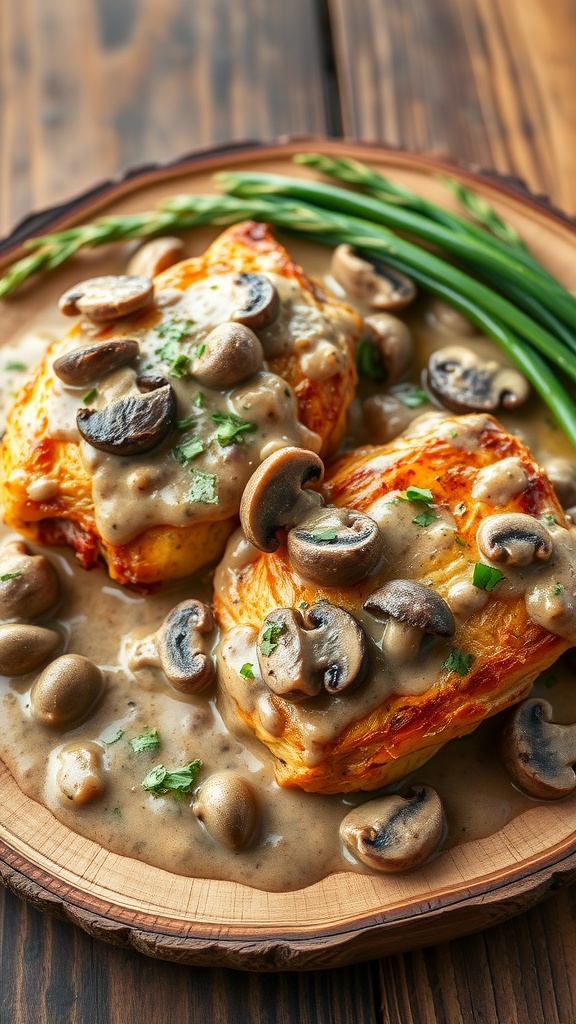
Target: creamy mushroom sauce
(297, 841)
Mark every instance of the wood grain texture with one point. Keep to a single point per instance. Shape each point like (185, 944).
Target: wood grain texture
(489, 81)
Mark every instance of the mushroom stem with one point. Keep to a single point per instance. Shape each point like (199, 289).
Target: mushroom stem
(402, 642)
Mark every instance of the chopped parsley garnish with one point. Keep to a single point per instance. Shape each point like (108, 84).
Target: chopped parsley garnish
(178, 783)
(368, 361)
(558, 588)
(174, 330)
(549, 518)
(303, 604)
(110, 738)
(204, 487)
(231, 428)
(424, 519)
(458, 661)
(269, 641)
(199, 400)
(186, 423)
(10, 576)
(117, 812)
(413, 398)
(179, 366)
(199, 350)
(485, 577)
(146, 741)
(461, 541)
(453, 434)
(325, 535)
(188, 450)
(89, 396)
(13, 365)
(247, 671)
(419, 494)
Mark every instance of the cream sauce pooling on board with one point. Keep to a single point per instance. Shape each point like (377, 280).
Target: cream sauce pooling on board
(297, 841)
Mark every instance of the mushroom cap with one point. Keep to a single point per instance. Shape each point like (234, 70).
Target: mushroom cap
(184, 643)
(227, 806)
(323, 647)
(393, 833)
(231, 352)
(335, 546)
(375, 283)
(413, 604)
(258, 301)
(66, 691)
(85, 364)
(80, 776)
(393, 340)
(24, 647)
(514, 539)
(155, 255)
(538, 752)
(465, 382)
(274, 496)
(133, 425)
(107, 298)
(30, 584)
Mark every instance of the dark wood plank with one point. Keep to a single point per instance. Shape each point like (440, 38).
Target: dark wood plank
(93, 87)
(485, 81)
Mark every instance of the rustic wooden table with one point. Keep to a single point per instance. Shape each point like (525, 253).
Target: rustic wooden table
(91, 87)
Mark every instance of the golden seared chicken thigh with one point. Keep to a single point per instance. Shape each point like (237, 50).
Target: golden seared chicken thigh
(137, 435)
(421, 591)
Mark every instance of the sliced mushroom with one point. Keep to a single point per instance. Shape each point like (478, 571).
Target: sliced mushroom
(413, 611)
(539, 753)
(275, 495)
(228, 808)
(450, 321)
(393, 833)
(156, 255)
(184, 646)
(80, 774)
(464, 382)
(392, 339)
(514, 539)
(85, 364)
(67, 691)
(107, 298)
(258, 301)
(24, 648)
(230, 353)
(132, 425)
(334, 546)
(378, 285)
(301, 653)
(562, 475)
(28, 583)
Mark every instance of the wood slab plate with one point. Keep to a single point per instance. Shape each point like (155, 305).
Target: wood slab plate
(347, 917)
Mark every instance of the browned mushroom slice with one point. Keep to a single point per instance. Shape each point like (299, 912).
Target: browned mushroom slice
(538, 753)
(335, 546)
(184, 646)
(258, 301)
(464, 382)
(85, 364)
(107, 298)
(275, 495)
(378, 285)
(134, 425)
(413, 611)
(230, 353)
(393, 833)
(515, 539)
(300, 653)
(391, 338)
(156, 255)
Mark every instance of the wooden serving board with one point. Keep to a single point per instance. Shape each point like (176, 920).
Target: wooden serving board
(347, 917)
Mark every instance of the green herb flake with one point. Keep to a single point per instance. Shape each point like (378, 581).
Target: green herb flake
(368, 361)
(188, 450)
(199, 350)
(110, 738)
(461, 541)
(89, 396)
(204, 487)
(174, 331)
(15, 366)
(303, 605)
(558, 588)
(425, 519)
(178, 782)
(486, 577)
(231, 428)
(419, 494)
(269, 641)
(116, 812)
(325, 535)
(453, 434)
(10, 576)
(186, 423)
(458, 661)
(549, 518)
(413, 398)
(199, 400)
(247, 671)
(179, 366)
(146, 741)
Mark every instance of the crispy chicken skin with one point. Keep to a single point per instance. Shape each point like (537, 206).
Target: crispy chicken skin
(387, 732)
(46, 489)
